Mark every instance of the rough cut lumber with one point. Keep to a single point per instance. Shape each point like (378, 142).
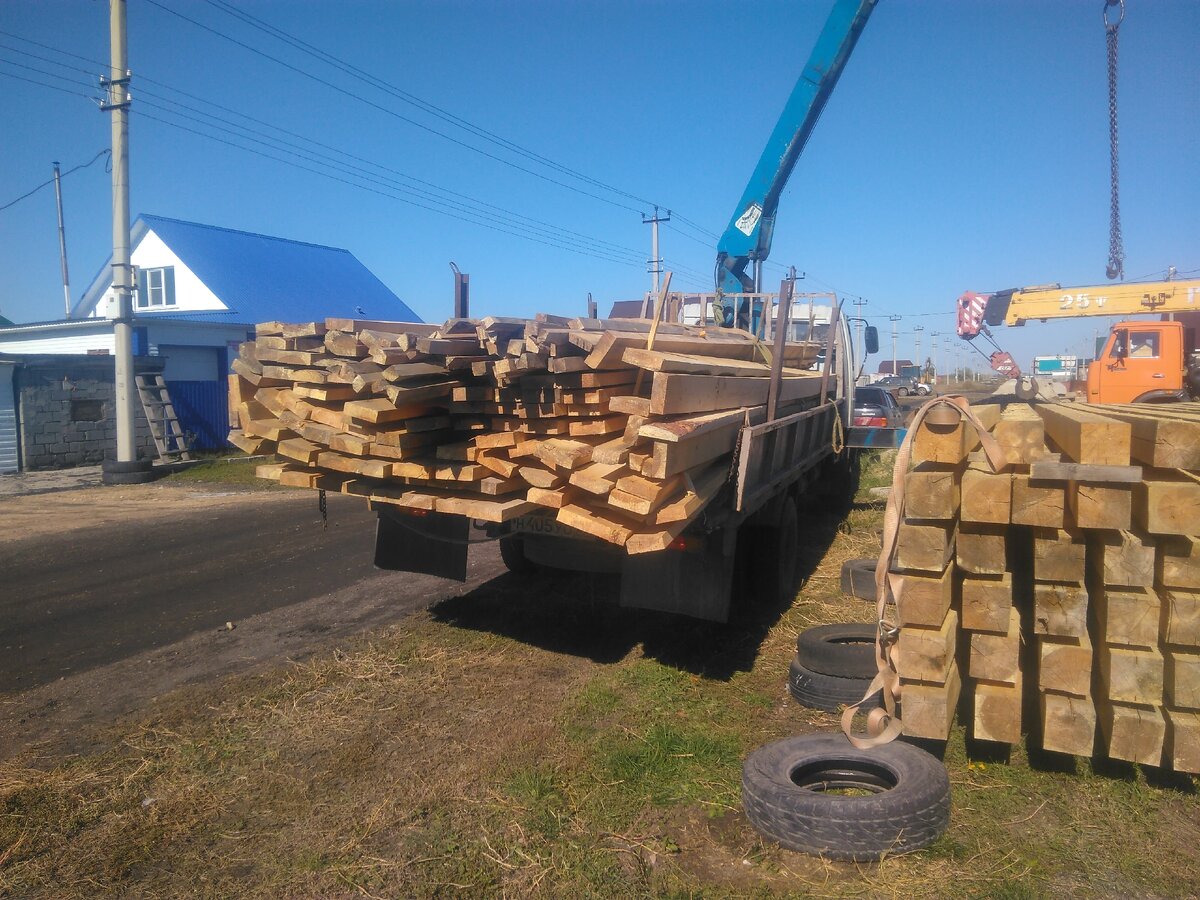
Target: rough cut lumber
(980, 549)
(928, 709)
(1130, 617)
(486, 510)
(1042, 504)
(1183, 679)
(667, 459)
(1103, 506)
(1168, 504)
(1183, 740)
(924, 600)
(673, 394)
(986, 495)
(1065, 665)
(993, 656)
(1178, 563)
(997, 711)
(1132, 676)
(1059, 554)
(952, 443)
(1123, 558)
(1068, 723)
(927, 654)
(270, 471)
(299, 449)
(1133, 733)
(1060, 609)
(1020, 434)
(1182, 624)
(1086, 437)
(925, 547)
(589, 522)
(1158, 439)
(987, 605)
(932, 493)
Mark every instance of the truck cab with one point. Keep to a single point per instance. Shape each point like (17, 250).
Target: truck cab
(1141, 362)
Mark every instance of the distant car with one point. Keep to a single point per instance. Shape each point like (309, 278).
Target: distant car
(875, 407)
(903, 386)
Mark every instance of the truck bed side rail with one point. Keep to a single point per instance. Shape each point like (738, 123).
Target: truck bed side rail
(777, 452)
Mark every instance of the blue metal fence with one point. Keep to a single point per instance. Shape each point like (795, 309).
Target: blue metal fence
(203, 411)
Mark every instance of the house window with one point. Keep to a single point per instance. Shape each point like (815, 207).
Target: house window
(156, 288)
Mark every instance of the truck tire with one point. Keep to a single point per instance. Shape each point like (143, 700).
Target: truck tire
(512, 553)
(858, 578)
(827, 692)
(774, 562)
(797, 792)
(119, 467)
(128, 477)
(846, 650)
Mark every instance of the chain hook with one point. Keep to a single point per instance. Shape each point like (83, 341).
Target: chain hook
(1113, 26)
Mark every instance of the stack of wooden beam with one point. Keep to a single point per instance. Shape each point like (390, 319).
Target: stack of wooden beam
(1071, 584)
(621, 429)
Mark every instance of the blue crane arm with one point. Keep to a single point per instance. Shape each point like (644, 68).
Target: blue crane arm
(748, 236)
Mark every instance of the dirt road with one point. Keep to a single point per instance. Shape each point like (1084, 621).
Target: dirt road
(113, 596)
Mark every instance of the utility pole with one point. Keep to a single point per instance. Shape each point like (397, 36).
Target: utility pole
(894, 320)
(62, 240)
(591, 306)
(917, 329)
(859, 302)
(936, 370)
(122, 272)
(655, 261)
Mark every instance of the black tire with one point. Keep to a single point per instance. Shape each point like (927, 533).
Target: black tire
(117, 467)
(827, 692)
(127, 477)
(774, 558)
(903, 392)
(845, 650)
(512, 552)
(858, 578)
(787, 792)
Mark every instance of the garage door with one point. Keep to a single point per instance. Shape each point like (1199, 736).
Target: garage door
(8, 420)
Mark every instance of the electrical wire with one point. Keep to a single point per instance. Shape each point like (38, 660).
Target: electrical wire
(103, 152)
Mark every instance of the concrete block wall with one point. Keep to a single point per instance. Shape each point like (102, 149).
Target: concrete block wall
(66, 411)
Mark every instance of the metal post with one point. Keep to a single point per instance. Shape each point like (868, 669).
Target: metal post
(859, 302)
(894, 320)
(655, 261)
(462, 293)
(917, 329)
(936, 370)
(122, 272)
(62, 241)
(782, 317)
(591, 307)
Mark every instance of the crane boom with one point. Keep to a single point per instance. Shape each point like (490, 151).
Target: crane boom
(1018, 306)
(747, 238)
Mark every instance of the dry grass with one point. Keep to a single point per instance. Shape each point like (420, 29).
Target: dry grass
(532, 748)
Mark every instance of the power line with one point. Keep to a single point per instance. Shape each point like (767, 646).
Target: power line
(51, 181)
(390, 112)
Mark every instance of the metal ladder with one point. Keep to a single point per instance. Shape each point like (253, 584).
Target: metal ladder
(160, 413)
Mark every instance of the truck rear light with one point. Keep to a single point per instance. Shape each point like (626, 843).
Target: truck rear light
(687, 543)
(871, 421)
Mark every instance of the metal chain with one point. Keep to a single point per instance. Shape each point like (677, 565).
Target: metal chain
(324, 510)
(1116, 249)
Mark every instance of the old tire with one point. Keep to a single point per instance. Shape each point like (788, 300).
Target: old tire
(845, 650)
(774, 560)
(827, 692)
(903, 392)
(512, 553)
(795, 792)
(858, 578)
(119, 467)
(115, 478)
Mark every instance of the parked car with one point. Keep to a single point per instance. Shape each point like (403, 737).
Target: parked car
(903, 386)
(875, 407)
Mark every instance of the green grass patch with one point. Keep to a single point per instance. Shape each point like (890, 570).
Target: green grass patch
(223, 469)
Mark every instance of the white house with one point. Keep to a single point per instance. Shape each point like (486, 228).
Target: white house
(200, 291)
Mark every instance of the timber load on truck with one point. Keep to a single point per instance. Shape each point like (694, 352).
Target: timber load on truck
(605, 442)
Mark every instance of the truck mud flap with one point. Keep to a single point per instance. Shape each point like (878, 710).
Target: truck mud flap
(429, 544)
(695, 581)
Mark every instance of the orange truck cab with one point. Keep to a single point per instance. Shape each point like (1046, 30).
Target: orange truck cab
(1141, 362)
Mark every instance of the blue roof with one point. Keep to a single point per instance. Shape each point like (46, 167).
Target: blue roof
(265, 279)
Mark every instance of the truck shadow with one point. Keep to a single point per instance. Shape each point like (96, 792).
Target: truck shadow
(579, 614)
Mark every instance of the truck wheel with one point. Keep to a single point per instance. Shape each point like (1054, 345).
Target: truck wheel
(819, 794)
(512, 552)
(846, 650)
(827, 692)
(773, 558)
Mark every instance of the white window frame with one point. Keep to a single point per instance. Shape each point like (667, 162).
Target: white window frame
(156, 288)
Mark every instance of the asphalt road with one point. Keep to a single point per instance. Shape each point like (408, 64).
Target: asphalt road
(77, 600)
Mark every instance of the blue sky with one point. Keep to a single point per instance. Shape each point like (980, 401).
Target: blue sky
(966, 146)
